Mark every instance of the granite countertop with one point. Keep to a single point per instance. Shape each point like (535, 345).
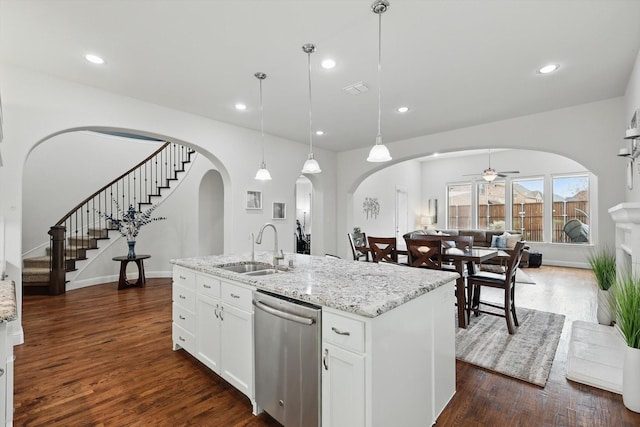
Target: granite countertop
(363, 288)
(8, 310)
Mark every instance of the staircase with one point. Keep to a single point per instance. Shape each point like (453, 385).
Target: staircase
(78, 233)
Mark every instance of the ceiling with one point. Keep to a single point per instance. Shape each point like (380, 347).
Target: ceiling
(454, 63)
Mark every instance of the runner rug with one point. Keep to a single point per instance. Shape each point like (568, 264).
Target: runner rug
(526, 355)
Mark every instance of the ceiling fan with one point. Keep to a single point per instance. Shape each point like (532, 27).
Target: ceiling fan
(490, 174)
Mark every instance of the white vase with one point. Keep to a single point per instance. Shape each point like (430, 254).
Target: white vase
(631, 379)
(603, 312)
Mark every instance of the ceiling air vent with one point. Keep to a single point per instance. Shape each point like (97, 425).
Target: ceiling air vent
(356, 88)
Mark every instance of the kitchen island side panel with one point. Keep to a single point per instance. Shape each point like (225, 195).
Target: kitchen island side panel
(412, 361)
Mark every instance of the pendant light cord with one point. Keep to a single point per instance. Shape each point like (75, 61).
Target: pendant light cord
(310, 121)
(261, 122)
(379, 139)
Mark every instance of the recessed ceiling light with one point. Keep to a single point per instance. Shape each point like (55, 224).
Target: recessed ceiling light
(319, 132)
(548, 68)
(328, 63)
(403, 109)
(94, 59)
(240, 106)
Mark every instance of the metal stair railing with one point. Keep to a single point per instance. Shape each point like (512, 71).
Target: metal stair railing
(135, 187)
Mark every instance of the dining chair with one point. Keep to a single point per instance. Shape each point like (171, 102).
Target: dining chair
(383, 249)
(358, 243)
(425, 253)
(506, 281)
(463, 243)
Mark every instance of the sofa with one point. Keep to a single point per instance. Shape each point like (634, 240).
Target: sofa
(481, 238)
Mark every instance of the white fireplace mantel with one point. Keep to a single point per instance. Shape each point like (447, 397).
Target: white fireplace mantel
(627, 219)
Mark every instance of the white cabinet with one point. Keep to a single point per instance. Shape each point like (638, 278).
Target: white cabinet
(208, 332)
(236, 347)
(213, 320)
(395, 369)
(3, 373)
(184, 306)
(343, 387)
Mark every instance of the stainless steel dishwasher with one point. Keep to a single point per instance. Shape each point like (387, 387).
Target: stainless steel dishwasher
(287, 359)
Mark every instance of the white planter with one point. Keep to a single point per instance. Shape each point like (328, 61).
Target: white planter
(631, 379)
(603, 312)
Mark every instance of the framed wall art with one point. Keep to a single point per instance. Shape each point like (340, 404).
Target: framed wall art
(254, 200)
(279, 210)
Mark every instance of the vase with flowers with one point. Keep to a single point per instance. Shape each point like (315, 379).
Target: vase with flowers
(128, 223)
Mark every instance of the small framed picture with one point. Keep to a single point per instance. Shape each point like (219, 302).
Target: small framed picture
(254, 200)
(279, 210)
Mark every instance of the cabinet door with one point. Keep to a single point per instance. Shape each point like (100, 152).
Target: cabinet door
(343, 387)
(208, 332)
(237, 348)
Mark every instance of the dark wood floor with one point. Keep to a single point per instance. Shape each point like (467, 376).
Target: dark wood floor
(101, 357)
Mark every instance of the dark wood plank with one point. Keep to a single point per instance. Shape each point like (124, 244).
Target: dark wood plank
(101, 357)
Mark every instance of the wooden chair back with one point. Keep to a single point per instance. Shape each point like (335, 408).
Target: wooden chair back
(424, 253)
(358, 243)
(383, 249)
(505, 282)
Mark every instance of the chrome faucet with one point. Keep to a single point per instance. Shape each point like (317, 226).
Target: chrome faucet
(276, 256)
(253, 252)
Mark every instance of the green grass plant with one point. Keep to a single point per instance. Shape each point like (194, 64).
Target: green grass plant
(627, 309)
(603, 265)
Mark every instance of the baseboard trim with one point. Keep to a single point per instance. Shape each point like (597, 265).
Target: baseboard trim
(78, 284)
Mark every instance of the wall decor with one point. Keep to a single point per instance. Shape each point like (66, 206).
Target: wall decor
(254, 200)
(371, 207)
(279, 210)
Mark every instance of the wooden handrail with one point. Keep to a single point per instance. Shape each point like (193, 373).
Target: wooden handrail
(72, 211)
(81, 228)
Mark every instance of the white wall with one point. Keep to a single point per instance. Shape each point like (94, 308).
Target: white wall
(37, 107)
(64, 170)
(632, 101)
(382, 186)
(588, 134)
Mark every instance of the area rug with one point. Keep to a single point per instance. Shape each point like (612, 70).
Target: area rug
(526, 355)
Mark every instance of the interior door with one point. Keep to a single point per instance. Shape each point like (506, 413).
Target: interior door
(402, 215)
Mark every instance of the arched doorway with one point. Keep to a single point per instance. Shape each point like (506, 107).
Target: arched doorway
(211, 214)
(304, 190)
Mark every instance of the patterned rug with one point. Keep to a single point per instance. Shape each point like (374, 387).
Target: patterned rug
(526, 355)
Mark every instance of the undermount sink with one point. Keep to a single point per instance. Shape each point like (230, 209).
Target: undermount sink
(247, 267)
(261, 272)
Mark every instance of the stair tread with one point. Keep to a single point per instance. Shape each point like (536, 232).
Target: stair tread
(35, 270)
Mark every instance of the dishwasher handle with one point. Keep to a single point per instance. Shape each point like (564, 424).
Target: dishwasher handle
(284, 315)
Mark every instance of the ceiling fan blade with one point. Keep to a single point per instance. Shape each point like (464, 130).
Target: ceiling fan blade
(509, 172)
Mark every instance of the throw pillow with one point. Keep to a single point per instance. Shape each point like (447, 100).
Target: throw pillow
(513, 239)
(499, 242)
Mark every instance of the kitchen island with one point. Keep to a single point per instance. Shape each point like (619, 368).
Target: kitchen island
(8, 313)
(396, 366)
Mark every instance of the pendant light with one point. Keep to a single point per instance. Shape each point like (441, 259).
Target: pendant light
(379, 153)
(262, 174)
(311, 165)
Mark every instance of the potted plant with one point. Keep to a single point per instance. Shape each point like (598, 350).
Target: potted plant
(626, 305)
(603, 265)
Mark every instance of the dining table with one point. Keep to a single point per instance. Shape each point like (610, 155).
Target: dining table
(470, 257)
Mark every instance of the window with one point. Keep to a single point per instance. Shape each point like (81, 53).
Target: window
(527, 196)
(491, 196)
(570, 209)
(459, 206)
